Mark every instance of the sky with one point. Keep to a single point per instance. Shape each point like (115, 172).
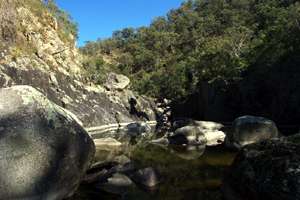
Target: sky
(99, 18)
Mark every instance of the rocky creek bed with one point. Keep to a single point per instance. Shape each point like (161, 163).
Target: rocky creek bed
(180, 174)
(46, 153)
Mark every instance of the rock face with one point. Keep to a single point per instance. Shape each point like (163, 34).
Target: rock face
(116, 81)
(44, 152)
(250, 129)
(266, 170)
(33, 51)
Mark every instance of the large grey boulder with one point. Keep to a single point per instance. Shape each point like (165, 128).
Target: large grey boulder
(265, 170)
(44, 151)
(250, 129)
(116, 81)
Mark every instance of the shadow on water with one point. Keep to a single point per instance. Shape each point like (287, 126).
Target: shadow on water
(186, 174)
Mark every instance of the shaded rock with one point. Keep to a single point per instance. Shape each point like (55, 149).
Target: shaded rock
(116, 81)
(250, 129)
(101, 171)
(137, 128)
(141, 108)
(44, 152)
(147, 177)
(265, 170)
(117, 184)
(97, 176)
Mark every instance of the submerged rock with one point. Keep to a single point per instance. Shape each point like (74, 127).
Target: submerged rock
(137, 128)
(117, 184)
(250, 129)
(188, 152)
(265, 170)
(187, 142)
(147, 177)
(44, 152)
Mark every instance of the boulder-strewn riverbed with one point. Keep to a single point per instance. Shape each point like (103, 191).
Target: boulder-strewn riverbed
(178, 178)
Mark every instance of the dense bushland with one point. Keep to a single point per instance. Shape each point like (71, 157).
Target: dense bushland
(203, 41)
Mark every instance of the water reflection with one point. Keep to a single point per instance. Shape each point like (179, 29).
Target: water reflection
(187, 173)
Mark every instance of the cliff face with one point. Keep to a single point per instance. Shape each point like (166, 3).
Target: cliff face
(33, 51)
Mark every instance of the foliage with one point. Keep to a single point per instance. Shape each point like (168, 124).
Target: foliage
(97, 69)
(93, 66)
(67, 28)
(203, 41)
(64, 20)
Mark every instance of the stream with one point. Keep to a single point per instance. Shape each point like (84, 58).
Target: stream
(185, 173)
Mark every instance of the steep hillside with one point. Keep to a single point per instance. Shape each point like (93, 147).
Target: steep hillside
(216, 59)
(38, 49)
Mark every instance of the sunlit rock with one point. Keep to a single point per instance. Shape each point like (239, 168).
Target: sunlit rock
(44, 152)
(116, 81)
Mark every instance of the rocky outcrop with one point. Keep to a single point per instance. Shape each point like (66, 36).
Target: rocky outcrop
(266, 170)
(44, 151)
(93, 104)
(250, 129)
(38, 55)
(116, 81)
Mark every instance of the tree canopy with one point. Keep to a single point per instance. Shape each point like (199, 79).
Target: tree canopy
(203, 41)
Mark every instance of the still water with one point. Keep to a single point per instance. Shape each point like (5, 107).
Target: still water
(185, 174)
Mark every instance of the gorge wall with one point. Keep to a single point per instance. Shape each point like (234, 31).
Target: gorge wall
(35, 51)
